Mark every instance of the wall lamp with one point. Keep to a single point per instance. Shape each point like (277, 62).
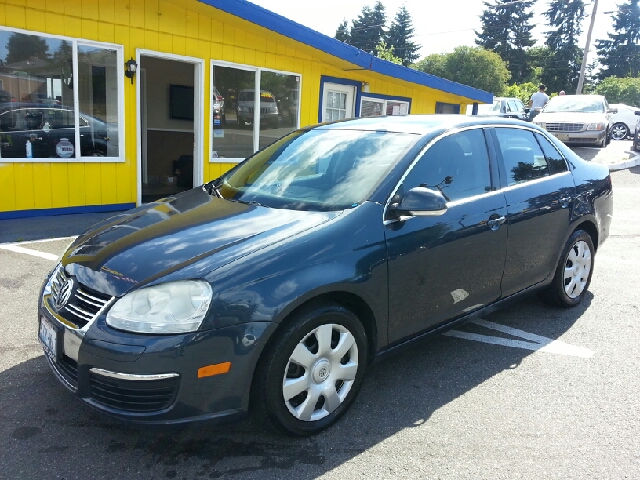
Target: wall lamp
(365, 87)
(130, 69)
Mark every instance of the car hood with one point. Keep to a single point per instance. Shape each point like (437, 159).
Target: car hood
(153, 241)
(571, 117)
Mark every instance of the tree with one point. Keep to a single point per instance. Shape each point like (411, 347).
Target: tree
(342, 32)
(522, 91)
(433, 64)
(387, 53)
(562, 69)
(473, 66)
(26, 47)
(506, 30)
(620, 55)
(400, 34)
(369, 28)
(620, 90)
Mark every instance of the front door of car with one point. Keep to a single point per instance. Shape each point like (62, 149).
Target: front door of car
(442, 266)
(539, 191)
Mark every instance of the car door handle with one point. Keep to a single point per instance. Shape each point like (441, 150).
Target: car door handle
(494, 223)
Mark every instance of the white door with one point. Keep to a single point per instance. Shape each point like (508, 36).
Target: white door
(338, 102)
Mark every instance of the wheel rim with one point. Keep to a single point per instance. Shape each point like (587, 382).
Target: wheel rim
(619, 131)
(320, 372)
(576, 269)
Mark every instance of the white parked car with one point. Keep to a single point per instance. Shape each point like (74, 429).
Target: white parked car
(581, 119)
(624, 122)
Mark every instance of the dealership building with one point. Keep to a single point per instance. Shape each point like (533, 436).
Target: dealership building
(106, 105)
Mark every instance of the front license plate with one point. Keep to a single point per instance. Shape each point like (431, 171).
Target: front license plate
(561, 137)
(48, 337)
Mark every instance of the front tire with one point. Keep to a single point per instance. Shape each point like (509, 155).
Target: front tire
(312, 372)
(573, 273)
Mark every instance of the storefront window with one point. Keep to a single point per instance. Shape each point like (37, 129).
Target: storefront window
(236, 123)
(371, 106)
(38, 117)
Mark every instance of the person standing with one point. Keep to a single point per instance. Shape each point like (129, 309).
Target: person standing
(537, 101)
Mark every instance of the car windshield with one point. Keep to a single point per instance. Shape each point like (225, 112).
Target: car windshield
(318, 170)
(568, 103)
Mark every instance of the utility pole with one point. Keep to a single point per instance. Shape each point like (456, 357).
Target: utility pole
(586, 48)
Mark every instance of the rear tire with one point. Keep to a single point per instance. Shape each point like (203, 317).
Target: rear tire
(312, 372)
(573, 273)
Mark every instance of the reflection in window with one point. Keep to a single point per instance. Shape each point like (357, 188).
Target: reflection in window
(457, 166)
(37, 121)
(279, 105)
(98, 99)
(556, 161)
(232, 112)
(523, 158)
(37, 113)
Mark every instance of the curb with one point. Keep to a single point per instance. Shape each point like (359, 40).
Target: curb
(632, 162)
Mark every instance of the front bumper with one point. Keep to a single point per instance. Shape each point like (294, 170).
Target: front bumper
(152, 379)
(589, 137)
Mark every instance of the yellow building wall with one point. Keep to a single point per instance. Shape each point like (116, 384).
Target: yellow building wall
(180, 27)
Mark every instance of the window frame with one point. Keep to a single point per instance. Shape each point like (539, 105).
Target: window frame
(77, 157)
(257, 88)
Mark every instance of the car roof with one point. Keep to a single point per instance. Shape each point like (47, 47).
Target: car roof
(416, 124)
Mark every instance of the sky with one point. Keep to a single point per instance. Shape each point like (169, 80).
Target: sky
(440, 25)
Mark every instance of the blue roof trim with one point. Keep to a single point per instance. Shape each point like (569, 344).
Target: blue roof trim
(279, 24)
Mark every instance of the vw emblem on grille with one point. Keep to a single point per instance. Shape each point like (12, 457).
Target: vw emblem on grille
(64, 294)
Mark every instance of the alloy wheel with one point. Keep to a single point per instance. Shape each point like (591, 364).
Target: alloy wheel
(320, 372)
(619, 131)
(577, 268)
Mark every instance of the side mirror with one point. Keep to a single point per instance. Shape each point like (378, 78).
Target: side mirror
(612, 110)
(637, 112)
(419, 201)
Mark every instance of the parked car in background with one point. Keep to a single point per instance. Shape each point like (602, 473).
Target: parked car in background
(274, 286)
(506, 107)
(268, 108)
(581, 119)
(6, 97)
(636, 137)
(30, 130)
(624, 121)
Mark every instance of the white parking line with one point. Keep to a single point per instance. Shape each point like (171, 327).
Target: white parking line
(536, 343)
(28, 251)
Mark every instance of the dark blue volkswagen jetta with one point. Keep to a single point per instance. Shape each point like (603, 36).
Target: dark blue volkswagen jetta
(273, 287)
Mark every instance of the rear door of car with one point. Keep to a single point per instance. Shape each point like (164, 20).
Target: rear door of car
(442, 266)
(539, 193)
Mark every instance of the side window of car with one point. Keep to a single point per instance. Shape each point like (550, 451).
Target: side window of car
(557, 163)
(523, 158)
(516, 106)
(456, 165)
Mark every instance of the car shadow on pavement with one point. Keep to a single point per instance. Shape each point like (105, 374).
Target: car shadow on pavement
(47, 433)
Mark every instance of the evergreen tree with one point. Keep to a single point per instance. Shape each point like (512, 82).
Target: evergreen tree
(506, 30)
(563, 68)
(342, 33)
(400, 34)
(620, 55)
(369, 28)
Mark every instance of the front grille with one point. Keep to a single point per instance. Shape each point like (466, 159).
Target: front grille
(134, 396)
(83, 305)
(67, 370)
(565, 127)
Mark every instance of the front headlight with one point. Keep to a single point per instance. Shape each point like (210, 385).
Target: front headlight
(596, 126)
(176, 307)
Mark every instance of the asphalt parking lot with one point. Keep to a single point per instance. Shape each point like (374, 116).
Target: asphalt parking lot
(528, 392)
